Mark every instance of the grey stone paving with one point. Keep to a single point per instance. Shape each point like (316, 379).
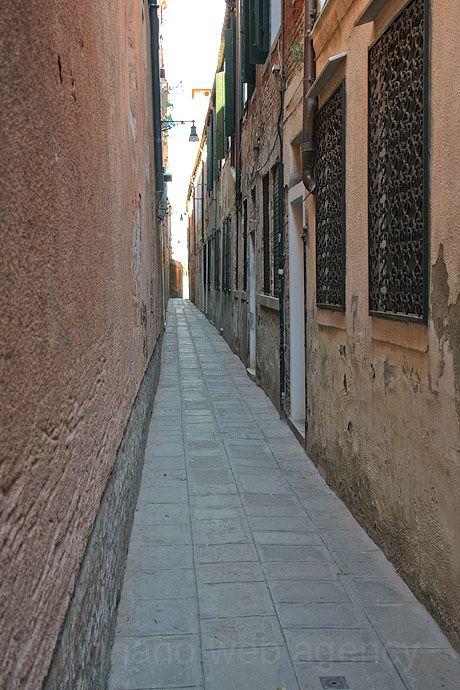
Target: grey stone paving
(245, 571)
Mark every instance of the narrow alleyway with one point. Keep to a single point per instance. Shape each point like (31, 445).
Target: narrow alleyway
(245, 571)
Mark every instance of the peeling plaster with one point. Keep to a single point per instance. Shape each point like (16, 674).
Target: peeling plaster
(446, 320)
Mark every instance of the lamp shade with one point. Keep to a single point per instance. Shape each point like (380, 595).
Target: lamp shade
(193, 135)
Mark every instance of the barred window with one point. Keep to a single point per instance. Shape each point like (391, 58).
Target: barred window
(266, 233)
(226, 259)
(276, 230)
(237, 253)
(398, 225)
(204, 259)
(228, 252)
(330, 203)
(245, 245)
(217, 261)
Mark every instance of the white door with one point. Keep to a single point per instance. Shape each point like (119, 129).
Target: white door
(296, 306)
(251, 297)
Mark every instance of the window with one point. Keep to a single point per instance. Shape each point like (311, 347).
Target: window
(275, 19)
(245, 245)
(276, 230)
(205, 274)
(237, 252)
(330, 202)
(209, 262)
(217, 261)
(227, 256)
(398, 218)
(266, 232)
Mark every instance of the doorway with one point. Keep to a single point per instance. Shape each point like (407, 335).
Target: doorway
(297, 307)
(251, 297)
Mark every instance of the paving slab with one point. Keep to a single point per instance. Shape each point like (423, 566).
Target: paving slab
(232, 599)
(267, 668)
(142, 617)
(245, 571)
(239, 633)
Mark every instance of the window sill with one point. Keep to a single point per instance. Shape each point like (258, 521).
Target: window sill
(268, 302)
(405, 334)
(370, 12)
(331, 319)
(329, 70)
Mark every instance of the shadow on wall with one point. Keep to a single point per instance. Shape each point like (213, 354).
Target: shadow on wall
(175, 279)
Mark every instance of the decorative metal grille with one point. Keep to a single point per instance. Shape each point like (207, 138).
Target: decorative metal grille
(330, 203)
(276, 231)
(397, 169)
(266, 233)
(245, 245)
(205, 261)
(227, 248)
(237, 252)
(217, 261)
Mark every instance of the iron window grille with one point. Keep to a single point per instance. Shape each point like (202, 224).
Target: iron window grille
(398, 169)
(209, 257)
(330, 203)
(276, 230)
(205, 261)
(217, 261)
(227, 248)
(237, 252)
(266, 233)
(245, 245)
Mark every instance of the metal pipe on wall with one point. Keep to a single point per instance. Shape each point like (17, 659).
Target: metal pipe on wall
(156, 94)
(307, 148)
(281, 277)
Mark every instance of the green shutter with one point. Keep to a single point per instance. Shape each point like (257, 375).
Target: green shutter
(215, 169)
(248, 70)
(262, 25)
(209, 176)
(257, 27)
(229, 56)
(220, 115)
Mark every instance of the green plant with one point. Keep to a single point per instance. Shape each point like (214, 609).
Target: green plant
(296, 52)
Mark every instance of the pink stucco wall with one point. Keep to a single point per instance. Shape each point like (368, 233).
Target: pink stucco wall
(80, 301)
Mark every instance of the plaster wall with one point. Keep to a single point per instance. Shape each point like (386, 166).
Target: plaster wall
(175, 278)
(80, 300)
(384, 396)
(260, 149)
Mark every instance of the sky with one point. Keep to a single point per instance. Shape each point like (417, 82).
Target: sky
(191, 39)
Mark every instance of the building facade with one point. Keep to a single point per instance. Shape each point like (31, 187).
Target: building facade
(327, 254)
(81, 320)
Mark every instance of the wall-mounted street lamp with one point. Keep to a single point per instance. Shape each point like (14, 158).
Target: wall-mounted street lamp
(166, 125)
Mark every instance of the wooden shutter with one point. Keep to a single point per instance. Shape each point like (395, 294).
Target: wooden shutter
(248, 70)
(209, 174)
(229, 61)
(257, 31)
(220, 115)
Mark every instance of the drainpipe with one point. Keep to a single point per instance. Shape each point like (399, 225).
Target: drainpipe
(156, 91)
(281, 280)
(307, 148)
(281, 283)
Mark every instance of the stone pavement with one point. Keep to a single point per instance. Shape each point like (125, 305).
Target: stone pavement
(245, 571)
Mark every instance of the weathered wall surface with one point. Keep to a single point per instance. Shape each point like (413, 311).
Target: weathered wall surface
(82, 657)
(175, 278)
(81, 308)
(384, 396)
(260, 151)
